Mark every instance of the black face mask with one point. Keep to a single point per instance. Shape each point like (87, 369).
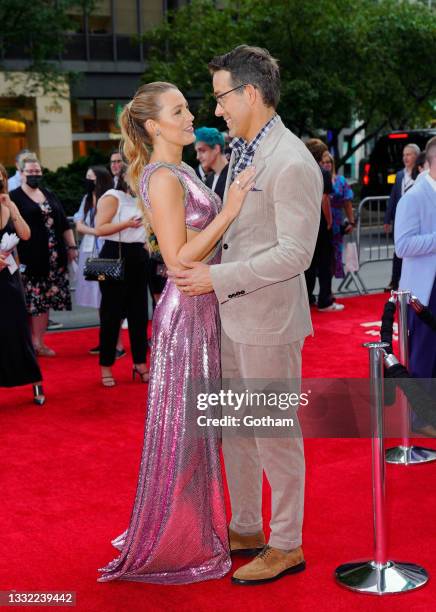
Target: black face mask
(34, 181)
(89, 185)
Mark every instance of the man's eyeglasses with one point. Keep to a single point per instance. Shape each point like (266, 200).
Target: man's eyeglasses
(219, 98)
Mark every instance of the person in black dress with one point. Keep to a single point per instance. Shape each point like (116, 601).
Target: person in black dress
(45, 256)
(18, 365)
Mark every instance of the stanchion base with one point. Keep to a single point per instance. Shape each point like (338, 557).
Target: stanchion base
(410, 455)
(377, 579)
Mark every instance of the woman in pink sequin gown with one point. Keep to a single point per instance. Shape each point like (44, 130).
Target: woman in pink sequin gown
(178, 528)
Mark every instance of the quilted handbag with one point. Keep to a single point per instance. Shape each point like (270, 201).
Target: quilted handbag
(100, 269)
(104, 269)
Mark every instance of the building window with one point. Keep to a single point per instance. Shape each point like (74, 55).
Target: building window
(95, 124)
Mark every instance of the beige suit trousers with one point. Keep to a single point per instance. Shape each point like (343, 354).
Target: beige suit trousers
(281, 458)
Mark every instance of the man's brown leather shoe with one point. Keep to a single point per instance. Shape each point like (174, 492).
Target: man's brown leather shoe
(271, 564)
(247, 545)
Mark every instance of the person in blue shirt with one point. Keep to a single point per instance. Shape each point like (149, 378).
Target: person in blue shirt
(403, 182)
(415, 243)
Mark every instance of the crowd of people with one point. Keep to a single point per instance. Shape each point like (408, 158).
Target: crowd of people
(45, 254)
(117, 225)
(415, 163)
(243, 240)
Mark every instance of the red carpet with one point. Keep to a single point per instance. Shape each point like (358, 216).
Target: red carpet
(68, 478)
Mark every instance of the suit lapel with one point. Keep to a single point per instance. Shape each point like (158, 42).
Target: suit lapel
(266, 148)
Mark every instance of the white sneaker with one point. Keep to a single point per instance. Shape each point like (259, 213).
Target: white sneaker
(335, 307)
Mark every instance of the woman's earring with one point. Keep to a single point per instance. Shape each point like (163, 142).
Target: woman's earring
(157, 132)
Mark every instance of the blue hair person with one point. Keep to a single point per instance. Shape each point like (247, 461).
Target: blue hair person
(210, 136)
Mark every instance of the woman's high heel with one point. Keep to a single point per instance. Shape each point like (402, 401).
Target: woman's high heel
(143, 376)
(38, 395)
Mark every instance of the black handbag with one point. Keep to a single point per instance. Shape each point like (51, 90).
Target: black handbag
(101, 269)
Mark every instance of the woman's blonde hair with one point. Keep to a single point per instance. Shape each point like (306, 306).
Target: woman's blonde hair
(136, 141)
(4, 177)
(332, 159)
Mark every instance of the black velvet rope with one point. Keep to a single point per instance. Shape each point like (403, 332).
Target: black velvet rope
(421, 401)
(387, 324)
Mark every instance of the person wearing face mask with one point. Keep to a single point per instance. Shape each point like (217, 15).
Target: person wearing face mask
(15, 181)
(44, 257)
(98, 180)
(18, 364)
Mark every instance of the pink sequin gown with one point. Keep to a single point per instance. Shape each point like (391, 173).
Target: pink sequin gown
(178, 527)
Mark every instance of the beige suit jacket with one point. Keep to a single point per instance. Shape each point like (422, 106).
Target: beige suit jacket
(260, 283)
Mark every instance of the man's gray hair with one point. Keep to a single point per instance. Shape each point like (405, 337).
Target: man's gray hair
(21, 153)
(414, 148)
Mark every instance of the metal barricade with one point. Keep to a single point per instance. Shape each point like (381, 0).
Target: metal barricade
(373, 244)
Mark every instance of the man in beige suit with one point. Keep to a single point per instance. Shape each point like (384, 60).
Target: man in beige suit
(263, 301)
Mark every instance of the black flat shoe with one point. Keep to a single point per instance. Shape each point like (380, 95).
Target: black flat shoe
(38, 395)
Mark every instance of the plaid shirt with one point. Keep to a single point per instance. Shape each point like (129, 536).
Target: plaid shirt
(244, 151)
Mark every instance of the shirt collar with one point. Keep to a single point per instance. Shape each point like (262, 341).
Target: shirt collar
(239, 144)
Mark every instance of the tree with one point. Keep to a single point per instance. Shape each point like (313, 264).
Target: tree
(36, 31)
(371, 60)
(392, 67)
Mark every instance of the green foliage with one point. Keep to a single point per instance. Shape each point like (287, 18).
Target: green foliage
(181, 46)
(340, 60)
(67, 182)
(37, 30)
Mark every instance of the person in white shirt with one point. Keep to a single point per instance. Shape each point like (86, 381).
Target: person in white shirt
(97, 182)
(415, 242)
(120, 222)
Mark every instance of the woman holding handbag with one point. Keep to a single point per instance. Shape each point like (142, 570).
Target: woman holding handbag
(98, 180)
(119, 221)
